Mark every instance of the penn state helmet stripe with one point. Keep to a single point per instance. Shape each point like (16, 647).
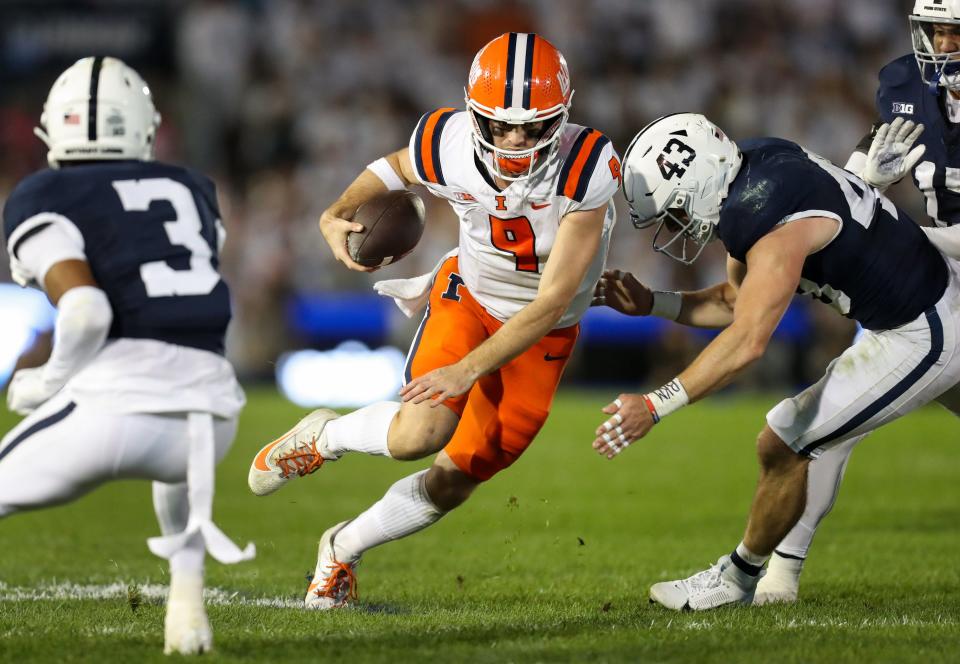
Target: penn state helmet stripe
(528, 69)
(39, 426)
(92, 107)
(509, 75)
(894, 393)
(408, 365)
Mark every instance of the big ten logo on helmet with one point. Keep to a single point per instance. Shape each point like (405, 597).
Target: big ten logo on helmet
(671, 165)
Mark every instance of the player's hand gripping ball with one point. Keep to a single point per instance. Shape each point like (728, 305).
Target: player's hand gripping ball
(393, 224)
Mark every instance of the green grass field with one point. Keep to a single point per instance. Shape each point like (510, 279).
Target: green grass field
(550, 561)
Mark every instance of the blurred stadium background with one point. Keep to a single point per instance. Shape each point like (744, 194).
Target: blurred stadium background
(283, 102)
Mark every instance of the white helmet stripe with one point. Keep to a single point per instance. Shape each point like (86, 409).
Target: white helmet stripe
(92, 109)
(519, 68)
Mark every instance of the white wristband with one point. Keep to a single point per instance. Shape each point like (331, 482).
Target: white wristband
(667, 399)
(856, 163)
(383, 170)
(666, 304)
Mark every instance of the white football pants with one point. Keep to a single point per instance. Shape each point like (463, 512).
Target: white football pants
(879, 378)
(61, 451)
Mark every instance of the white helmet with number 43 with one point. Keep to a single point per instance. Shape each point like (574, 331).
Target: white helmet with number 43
(99, 108)
(676, 173)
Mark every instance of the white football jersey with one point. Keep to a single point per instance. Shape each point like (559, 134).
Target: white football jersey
(506, 235)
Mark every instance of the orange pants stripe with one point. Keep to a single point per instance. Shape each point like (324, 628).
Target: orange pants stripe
(503, 412)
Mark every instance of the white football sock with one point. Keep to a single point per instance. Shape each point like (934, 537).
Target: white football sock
(172, 506)
(403, 510)
(364, 430)
(747, 561)
(824, 475)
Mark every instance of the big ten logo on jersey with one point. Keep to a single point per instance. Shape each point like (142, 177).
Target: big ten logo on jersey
(674, 158)
(464, 196)
(902, 107)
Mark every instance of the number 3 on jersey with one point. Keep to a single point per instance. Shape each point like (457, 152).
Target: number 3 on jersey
(184, 229)
(515, 236)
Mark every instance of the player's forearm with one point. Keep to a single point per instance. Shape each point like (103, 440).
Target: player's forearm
(733, 350)
(84, 317)
(709, 308)
(517, 335)
(362, 189)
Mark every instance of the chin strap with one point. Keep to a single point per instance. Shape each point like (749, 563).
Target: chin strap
(934, 86)
(42, 135)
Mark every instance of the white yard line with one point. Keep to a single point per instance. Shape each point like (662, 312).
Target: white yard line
(149, 592)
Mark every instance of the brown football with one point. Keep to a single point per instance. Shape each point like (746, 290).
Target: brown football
(393, 225)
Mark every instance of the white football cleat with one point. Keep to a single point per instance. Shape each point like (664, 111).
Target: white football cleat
(299, 452)
(723, 583)
(781, 585)
(186, 629)
(334, 584)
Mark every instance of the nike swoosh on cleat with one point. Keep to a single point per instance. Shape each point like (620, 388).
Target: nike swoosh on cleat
(260, 462)
(553, 358)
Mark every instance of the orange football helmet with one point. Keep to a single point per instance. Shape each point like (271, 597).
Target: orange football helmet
(519, 78)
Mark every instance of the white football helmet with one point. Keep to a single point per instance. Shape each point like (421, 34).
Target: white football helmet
(936, 69)
(676, 173)
(99, 108)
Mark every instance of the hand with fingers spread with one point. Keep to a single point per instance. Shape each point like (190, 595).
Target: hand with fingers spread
(439, 385)
(621, 291)
(630, 419)
(890, 157)
(335, 225)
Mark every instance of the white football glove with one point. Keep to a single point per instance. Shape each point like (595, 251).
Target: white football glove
(28, 389)
(890, 156)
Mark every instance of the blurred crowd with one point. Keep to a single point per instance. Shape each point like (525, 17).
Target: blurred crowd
(283, 102)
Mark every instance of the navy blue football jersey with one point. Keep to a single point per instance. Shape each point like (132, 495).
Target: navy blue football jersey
(879, 270)
(903, 93)
(150, 236)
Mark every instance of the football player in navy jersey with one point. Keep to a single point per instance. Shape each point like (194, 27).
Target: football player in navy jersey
(790, 222)
(136, 384)
(918, 133)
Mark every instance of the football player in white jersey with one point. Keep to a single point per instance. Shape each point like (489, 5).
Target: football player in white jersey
(136, 385)
(533, 195)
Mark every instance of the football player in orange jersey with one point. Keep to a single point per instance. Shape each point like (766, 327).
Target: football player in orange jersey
(533, 196)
